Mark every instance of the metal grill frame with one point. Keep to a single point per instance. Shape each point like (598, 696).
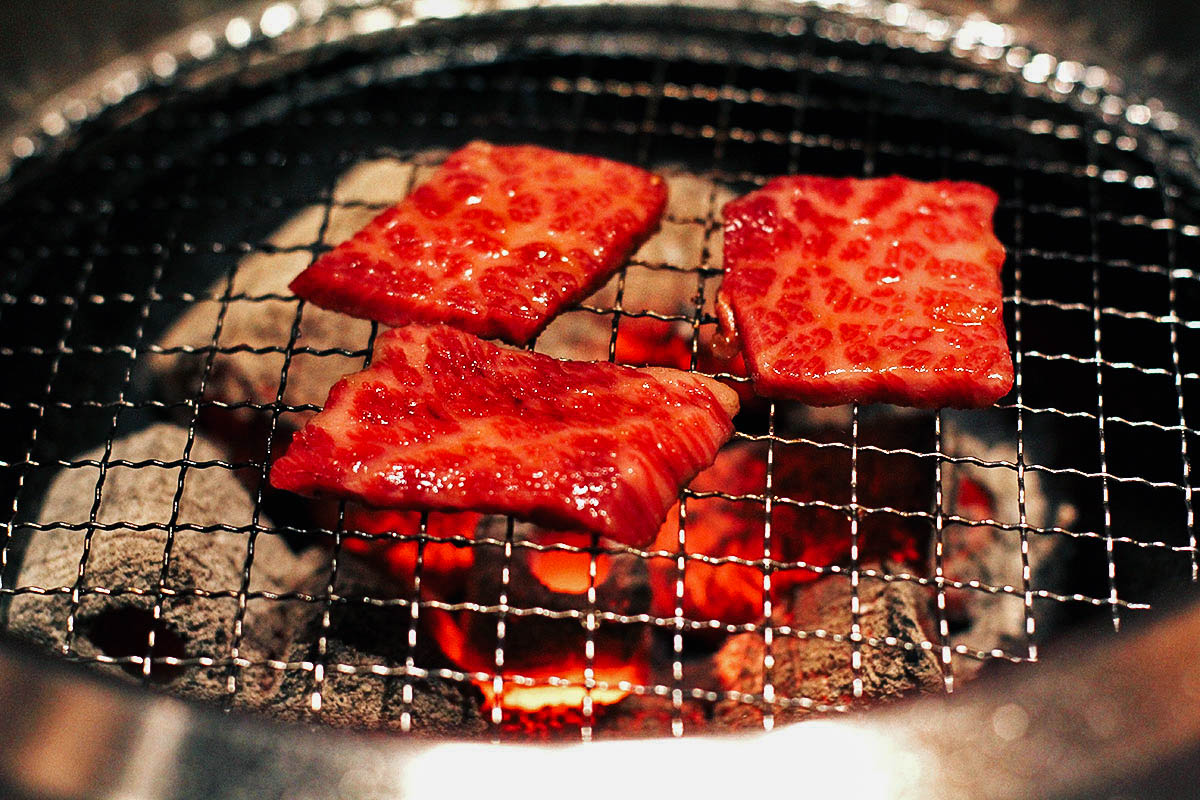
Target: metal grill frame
(1127, 126)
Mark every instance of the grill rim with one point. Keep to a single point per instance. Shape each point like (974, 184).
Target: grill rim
(53, 141)
(173, 57)
(1017, 736)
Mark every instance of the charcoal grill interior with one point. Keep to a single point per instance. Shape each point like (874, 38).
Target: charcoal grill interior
(109, 234)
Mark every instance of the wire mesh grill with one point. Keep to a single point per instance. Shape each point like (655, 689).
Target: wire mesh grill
(150, 217)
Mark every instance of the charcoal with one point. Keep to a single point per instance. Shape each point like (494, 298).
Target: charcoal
(126, 561)
(648, 715)
(362, 635)
(637, 716)
(537, 644)
(262, 316)
(367, 631)
(988, 557)
(625, 589)
(817, 666)
(262, 312)
(365, 701)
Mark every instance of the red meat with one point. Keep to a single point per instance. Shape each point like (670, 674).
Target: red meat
(446, 421)
(496, 243)
(882, 290)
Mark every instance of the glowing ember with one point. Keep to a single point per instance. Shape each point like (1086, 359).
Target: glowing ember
(548, 655)
(566, 571)
(817, 536)
(973, 500)
(446, 563)
(649, 342)
(535, 698)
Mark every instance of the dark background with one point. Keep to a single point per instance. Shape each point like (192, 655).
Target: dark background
(47, 44)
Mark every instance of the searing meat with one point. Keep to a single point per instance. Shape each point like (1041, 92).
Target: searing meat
(496, 243)
(444, 420)
(883, 290)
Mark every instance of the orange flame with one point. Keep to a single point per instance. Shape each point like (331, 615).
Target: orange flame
(446, 564)
(547, 682)
(565, 571)
(720, 528)
(650, 342)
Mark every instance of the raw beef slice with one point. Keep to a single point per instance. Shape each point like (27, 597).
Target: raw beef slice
(443, 420)
(882, 290)
(496, 243)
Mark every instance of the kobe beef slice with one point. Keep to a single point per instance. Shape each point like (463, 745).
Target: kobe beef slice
(443, 420)
(496, 242)
(880, 290)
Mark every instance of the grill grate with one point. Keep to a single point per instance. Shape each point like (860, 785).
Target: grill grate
(132, 224)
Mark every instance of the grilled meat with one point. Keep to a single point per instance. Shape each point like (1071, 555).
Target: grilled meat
(882, 290)
(496, 243)
(444, 420)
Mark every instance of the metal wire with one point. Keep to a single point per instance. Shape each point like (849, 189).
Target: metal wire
(1019, 392)
(1022, 138)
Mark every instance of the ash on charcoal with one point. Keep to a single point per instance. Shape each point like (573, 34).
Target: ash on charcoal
(990, 614)
(362, 635)
(817, 665)
(125, 562)
(256, 324)
(260, 317)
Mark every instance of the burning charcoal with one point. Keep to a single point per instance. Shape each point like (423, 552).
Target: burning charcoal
(817, 667)
(541, 642)
(262, 311)
(550, 571)
(547, 570)
(364, 635)
(719, 528)
(637, 716)
(127, 561)
(648, 715)
(987, 555)
(544, 660)
(445, 564)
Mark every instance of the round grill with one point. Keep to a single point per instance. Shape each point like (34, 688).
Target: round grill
(127, 214)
